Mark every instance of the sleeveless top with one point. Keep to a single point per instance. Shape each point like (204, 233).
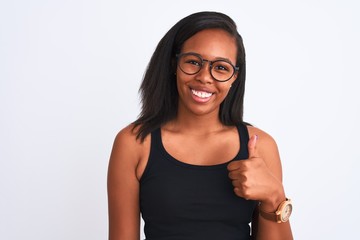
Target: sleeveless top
(180, 201)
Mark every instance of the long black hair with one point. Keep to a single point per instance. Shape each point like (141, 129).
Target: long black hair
(159, 95)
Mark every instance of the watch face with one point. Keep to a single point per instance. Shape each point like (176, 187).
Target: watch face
(286, 212)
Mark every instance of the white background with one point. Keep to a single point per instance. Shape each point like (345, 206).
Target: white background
(69, 76)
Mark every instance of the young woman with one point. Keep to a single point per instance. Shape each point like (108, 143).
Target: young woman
(189, 165)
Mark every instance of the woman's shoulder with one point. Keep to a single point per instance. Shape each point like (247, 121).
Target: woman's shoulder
(128, 132)
(128, 149)
(262, 134)
(266, 145)
(128, 137)
(128, 143)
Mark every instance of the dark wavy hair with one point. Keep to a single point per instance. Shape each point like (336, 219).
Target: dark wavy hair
(159, 94)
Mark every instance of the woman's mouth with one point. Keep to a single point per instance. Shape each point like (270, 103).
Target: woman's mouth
(201, 96)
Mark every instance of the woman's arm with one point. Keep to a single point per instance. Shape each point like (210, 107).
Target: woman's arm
(260, 178)
(123, 188)
(267, 149)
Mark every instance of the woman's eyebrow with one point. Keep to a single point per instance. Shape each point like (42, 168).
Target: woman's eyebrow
(215, 59)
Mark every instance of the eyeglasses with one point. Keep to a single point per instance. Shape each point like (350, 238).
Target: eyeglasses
(191, 63)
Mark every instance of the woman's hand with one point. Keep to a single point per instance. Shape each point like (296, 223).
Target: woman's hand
(252, 179)
(260, 178)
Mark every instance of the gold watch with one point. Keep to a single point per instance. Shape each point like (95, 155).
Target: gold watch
(282, 214)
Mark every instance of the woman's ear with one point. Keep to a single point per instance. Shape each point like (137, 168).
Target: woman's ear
(233, 78)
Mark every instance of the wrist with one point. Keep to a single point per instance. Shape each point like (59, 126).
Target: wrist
(272, 203)
(281, 215)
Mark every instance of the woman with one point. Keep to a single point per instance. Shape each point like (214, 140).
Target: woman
(187, 164)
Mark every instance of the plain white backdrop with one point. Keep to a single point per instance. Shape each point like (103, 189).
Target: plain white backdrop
(69, 76)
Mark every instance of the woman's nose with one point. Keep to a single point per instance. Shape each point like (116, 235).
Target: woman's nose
(204, 74)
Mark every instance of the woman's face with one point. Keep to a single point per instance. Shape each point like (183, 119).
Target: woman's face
(199, 93)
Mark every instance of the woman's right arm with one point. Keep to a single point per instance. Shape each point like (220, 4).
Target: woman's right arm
(123, 187)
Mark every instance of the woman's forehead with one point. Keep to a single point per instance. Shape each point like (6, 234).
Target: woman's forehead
(212, 44)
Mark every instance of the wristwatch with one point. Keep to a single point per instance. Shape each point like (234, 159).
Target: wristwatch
(282, 214)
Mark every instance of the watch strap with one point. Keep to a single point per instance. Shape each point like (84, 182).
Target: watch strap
(269, 216)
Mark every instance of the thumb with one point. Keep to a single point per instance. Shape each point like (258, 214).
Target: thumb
(252, 146)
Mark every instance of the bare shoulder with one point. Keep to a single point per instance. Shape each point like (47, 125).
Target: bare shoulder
(267, 148)
(127, 137)
(124, 147)
(265, 141)
(130, 151)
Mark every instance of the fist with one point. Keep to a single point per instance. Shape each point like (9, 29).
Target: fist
(251, 178)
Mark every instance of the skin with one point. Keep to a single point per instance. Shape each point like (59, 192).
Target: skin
(196, 136)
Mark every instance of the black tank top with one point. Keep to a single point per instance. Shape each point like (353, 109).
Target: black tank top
(180, 201)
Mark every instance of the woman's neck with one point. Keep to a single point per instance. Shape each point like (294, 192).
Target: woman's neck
(195, 124)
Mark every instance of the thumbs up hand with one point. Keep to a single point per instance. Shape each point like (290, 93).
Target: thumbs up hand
(251, 178)
(252, 146)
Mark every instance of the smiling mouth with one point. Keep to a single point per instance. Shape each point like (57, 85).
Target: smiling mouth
(201, 94)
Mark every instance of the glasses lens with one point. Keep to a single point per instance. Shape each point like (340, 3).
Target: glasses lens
(190, 63)
(222, 70)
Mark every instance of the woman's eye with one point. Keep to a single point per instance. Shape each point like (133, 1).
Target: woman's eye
(194, 62)
(221, 68)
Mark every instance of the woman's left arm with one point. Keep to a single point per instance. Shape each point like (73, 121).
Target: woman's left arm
(260, 178)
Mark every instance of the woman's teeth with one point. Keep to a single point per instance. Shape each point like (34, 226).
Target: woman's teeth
(201, 94)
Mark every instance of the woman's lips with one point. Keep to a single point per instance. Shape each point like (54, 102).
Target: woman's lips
(200, 95)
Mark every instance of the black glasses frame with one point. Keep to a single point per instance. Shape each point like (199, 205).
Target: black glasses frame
(235, 68)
